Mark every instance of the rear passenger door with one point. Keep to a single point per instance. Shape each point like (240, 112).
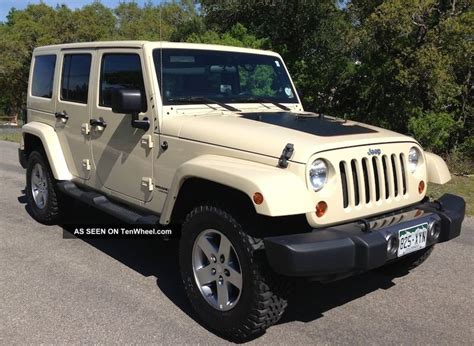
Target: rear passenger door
(73, 111)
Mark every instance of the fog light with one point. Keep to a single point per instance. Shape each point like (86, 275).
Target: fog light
(434, 230)
(421, 187)
(392, 245)
(321, 208)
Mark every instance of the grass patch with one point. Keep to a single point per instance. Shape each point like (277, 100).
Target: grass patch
(11, 137)
(459, 185)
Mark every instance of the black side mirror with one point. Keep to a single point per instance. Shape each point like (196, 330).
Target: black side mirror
(129, 101)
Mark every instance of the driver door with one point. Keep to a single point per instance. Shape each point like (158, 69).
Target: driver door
(122, 154)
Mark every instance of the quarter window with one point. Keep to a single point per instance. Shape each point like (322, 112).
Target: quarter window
(43, 76)
(75, 77)
(120, 71)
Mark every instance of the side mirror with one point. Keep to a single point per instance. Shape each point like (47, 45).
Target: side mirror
(129, 101)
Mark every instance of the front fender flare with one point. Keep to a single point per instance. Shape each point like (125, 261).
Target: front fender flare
(284, 192)
(51, 146)
(436, 169)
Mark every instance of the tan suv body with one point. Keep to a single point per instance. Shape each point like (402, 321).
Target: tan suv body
(215, 138)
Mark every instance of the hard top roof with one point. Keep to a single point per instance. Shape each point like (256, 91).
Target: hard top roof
(152, 45)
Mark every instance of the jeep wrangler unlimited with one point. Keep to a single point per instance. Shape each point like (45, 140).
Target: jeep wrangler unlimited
(215, 139)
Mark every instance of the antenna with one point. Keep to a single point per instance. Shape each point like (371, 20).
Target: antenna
(161, 61)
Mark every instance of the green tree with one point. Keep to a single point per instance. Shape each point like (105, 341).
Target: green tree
(414, 69)
(94, 22)
(237, 36)
(22, 32)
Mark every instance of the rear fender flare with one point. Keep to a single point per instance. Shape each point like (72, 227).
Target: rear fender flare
(52, 148)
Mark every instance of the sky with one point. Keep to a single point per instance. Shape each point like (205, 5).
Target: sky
(6, 5)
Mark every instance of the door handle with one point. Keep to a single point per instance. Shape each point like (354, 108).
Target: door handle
(62, 115)
(98, 123)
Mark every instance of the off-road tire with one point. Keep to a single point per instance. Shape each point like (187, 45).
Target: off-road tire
(407, 263)
(51, 213)
(263, 298)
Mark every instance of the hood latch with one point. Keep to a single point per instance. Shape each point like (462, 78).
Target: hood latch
(286, 155)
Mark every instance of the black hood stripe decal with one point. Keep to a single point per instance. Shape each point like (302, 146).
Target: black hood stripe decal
(318, 126)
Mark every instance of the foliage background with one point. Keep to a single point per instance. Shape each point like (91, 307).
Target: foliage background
(401, 64)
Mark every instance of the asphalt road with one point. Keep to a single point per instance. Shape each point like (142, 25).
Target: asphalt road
(55, 290)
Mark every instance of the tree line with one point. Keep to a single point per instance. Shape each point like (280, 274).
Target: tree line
(401, 64)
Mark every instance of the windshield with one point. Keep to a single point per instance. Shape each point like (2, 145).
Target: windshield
(191, 74)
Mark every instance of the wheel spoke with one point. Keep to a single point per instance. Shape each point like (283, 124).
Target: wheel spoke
(39, 198)
(34, 180)
(235, 278)
(222, 295)
(204, 275)
(206, 247)
(224, 248)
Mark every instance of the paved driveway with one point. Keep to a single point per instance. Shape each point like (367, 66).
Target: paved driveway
(55, 290)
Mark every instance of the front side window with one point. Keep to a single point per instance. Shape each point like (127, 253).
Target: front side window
(223, 76)
(43, 76)
(75, 77)
(120, 71)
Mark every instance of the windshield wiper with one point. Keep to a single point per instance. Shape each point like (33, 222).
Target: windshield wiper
(263, 100)
(205, 100)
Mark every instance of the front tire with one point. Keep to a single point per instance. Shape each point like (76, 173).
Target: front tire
(41, 194)
(213, 242)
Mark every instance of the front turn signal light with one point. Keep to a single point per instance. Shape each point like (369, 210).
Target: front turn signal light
(321, 208)
(421, 187)
(258, 198)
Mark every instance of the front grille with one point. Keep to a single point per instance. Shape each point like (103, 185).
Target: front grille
(373, 179)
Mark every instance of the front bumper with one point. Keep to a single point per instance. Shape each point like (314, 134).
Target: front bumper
(353, 248)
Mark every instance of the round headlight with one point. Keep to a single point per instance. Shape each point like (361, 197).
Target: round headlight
(413, 157)
(318, 174)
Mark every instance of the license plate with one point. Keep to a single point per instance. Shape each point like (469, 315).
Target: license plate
(412, 239)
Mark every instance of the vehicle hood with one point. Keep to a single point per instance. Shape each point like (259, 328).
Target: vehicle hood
(267, 133)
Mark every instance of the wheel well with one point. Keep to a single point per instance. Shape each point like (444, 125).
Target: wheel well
(195, 191)
(32, 142)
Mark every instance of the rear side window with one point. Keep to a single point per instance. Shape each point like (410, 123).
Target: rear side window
(43, 76)
(75, 77)
(120, 71)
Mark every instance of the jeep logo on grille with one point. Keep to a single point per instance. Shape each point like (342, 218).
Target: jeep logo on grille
(374, 152)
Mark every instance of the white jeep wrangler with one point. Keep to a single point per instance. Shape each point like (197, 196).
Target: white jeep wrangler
(215, 139)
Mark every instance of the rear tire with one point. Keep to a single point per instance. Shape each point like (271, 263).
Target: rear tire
(408, 262)
(262, 299)
(41, 194)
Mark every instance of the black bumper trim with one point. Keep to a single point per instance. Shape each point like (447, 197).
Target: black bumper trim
(347, 249)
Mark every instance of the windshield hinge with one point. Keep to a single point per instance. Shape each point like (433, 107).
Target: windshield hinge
(286, 155)
(147, 183)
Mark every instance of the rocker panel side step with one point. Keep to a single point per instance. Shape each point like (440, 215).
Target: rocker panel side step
(101, 202)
